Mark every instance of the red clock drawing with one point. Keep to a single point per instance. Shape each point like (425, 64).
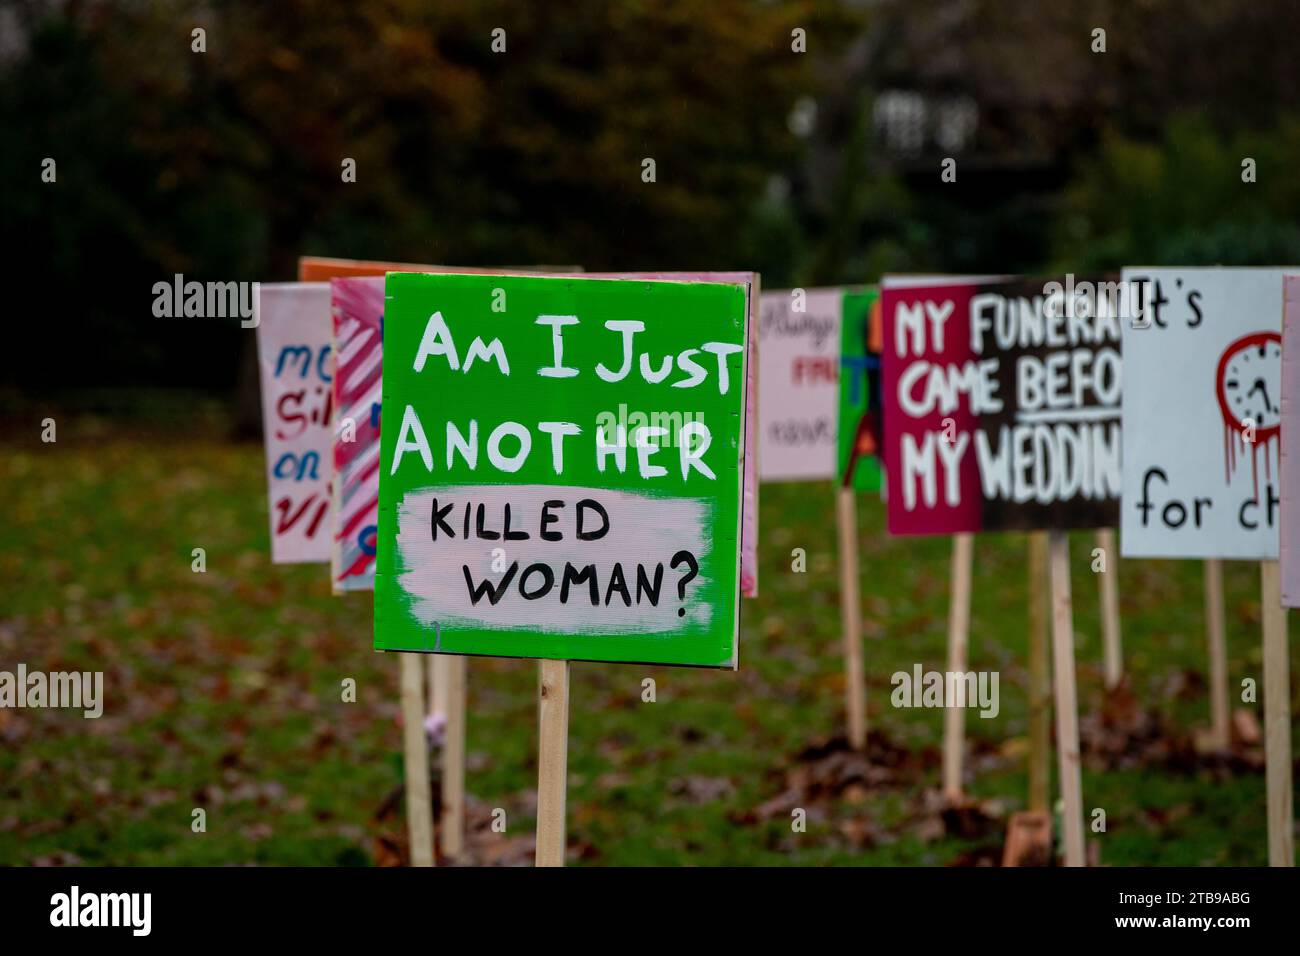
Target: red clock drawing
(1248, 386)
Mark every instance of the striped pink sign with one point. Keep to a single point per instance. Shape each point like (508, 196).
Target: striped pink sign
(357, 306)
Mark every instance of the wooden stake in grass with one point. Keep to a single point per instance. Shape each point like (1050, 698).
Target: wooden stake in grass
(1067, 714)
(447, 699)
(1040, 681)
(958, 638)
(453, 759)
(436, 683)
(552, 762)
(1218, 739)
(851, 618)
(1113, 658)
(1277, 719)
(419, 802)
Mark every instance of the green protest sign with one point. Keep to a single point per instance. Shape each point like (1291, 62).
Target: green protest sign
(859, 428)
(560, 468)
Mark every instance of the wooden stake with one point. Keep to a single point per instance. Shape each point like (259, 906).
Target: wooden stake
(1277, 719)
(1067, 714)
(438, 675)
(419, 801)
(1219, 733)
(552, 762)
(958, 637)
(1112, 656)
(851, 618)
(1040, 681)
(453, 759)
(434, 677)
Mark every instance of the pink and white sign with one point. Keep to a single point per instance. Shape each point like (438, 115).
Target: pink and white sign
(798, 360)
(296, 361)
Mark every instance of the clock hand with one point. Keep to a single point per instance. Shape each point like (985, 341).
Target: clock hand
(1262, 387)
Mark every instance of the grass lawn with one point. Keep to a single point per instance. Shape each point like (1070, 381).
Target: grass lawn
(223, 692)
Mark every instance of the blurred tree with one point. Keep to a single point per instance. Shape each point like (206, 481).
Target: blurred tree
(1015, 93)
(817, 167)
(1183, 200)
(226, 164)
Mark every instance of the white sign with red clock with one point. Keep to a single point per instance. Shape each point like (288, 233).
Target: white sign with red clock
(1202, 414)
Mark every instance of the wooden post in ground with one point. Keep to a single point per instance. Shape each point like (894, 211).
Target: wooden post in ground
(851, 618)
(419, 803)
(453, 759)
(954, 741)
(433, 676)
(552, 762)
(1112, 656)
(1040, 681)
(1277, 719)
(1067, 715)
(1214, 627)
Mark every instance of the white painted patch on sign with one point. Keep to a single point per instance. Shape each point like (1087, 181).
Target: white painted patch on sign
(623, 549)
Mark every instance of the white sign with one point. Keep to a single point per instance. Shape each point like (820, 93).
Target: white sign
(798, 391)
(1202, 411)
(296, 360)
